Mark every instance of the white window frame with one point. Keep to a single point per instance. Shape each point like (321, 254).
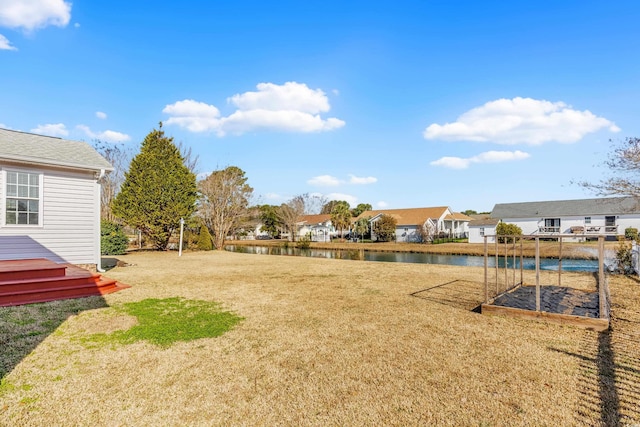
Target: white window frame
(587, 220)
(4, 196)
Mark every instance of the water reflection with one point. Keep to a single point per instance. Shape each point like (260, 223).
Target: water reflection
(424, 258)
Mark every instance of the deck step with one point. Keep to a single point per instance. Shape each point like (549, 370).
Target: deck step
(30, 269)
(53, 294)
(49, 281)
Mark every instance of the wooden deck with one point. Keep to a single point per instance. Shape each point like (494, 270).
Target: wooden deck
(40, 280)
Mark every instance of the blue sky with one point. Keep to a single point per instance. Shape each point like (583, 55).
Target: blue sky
(398, 104)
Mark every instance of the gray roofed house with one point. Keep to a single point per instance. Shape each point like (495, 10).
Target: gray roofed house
(608, 216)
(50, 198)
(598, 206)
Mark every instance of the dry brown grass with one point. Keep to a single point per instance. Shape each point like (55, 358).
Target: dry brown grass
(328, 342)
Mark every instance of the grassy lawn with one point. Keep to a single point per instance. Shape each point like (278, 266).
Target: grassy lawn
(310, 342)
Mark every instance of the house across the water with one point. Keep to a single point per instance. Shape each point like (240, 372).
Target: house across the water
(609, 217)
(438, 222)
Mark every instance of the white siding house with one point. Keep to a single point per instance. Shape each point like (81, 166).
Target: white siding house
(318, 227)
(603, 216)
(480, 227)
(49, 199)
(440, 221)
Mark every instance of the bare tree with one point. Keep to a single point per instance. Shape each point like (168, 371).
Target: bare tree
(313, 203)
(427, 232)
(190, 160)
(291, 213)
(624, 164)
(110, 183)
(224, 202)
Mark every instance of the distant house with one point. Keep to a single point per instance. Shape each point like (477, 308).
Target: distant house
(317, 227)
(50, 199)
(482, 225)
(593, 217)
(440, 221)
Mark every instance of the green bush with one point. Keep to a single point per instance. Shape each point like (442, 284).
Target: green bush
(631, 233)
(505, 229)
(113, 241)
(304, 243)
(205, 242)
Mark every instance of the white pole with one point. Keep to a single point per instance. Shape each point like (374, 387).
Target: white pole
(181, 231)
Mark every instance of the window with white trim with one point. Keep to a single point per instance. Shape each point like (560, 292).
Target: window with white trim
(22, 198)
(481, 231)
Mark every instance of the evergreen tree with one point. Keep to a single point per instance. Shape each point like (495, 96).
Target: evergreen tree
(269, 218)
(205, 241)
(157, 191)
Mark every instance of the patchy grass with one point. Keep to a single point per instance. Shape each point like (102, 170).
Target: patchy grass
(323, 342)
(164, 322)
(23, 328)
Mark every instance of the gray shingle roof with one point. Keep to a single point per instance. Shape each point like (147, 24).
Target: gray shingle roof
(32, 148)
(558, 208)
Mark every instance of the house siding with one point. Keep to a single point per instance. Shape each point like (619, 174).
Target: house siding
(531, 226)
(407, 234)
(476, 237)
(69, 230)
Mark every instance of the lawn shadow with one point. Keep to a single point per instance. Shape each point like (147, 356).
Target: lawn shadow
(24, 327)
(609, 368)
(462, 294)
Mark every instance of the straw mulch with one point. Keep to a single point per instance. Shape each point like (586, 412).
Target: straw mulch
(326, 342)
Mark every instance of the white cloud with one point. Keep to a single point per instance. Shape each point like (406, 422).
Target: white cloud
(101, 115)
(33, 14)
(57, 129)
(324, 181)
(291, 107)
(521, 121)
(193, 115)
(382, 204)
(486, 157)
(286, 120)
(290, 96)
(5, 44)
(362, 180)
(340, 196)
(107, 135)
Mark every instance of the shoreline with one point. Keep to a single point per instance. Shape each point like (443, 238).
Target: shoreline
(570, 250)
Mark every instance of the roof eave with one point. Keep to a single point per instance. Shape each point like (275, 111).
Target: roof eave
(41, 161)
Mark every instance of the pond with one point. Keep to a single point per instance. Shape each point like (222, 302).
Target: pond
(424, 258)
